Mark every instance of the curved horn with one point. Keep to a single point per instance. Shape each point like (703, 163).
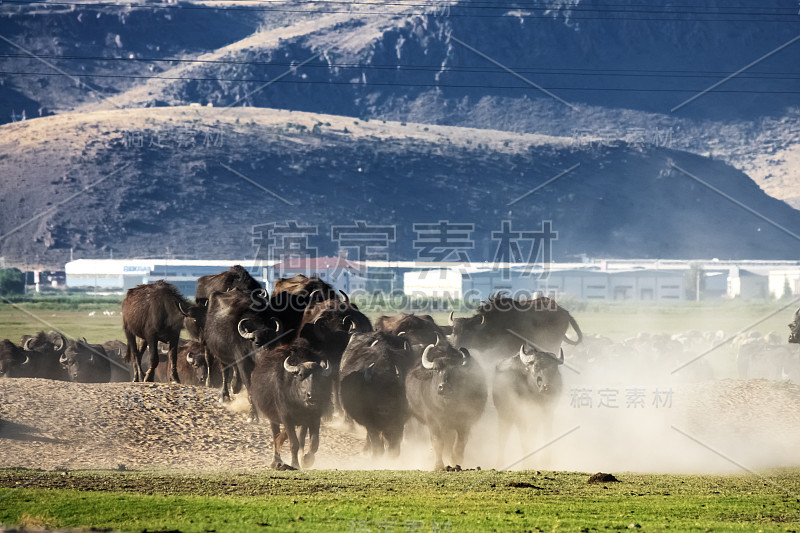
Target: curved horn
(427, 363)
(326, 367)
(483, 323)
(63, 359)
(525, 357)
(561, 356)
(26, 361)
(438, 339)
(464, 353)
(352, 328)
(311, 296)
(244, 333)
(189, 358)
(376, 341)
(277, 324)
(292, 369)
(406, 346)
(63, 345)
(183, 311)
(452, 316)
(27, 345)
(263, 293)
(345, 296)
(318, 328)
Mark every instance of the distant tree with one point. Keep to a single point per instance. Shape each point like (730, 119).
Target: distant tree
(12, 281)
(787, 289)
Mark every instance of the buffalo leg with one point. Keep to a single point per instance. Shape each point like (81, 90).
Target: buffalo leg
(209, 365)
(173, 360)
(313, 444)
(224, 394)
(437, 442)
(294, 443)
(245, 366)
(151, 372)
(462, 434)
(277, 442)
(133, 355)
(375, 443)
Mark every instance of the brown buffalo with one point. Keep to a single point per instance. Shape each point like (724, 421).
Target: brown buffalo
(154, 313)
(235, 278)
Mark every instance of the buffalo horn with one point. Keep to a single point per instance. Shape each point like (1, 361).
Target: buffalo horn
(63, 343)
(352, 327)
(27, 345)
(243, 332)
(465, 354)
(345, 296)
(327, 370)
(183, 311)
(318, 327)
(524, 356)
(561, 356)
(427, 363)
(438, 339)
(292, 369)
(189, 358)
(452, 315)
(376, 341)
(483, 322)
(27, 360)
(277, 324)
(311, 296)
(63, 359)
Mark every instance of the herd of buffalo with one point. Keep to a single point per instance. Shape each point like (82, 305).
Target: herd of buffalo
(305, 351)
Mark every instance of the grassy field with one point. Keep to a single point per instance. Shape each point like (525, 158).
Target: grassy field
(615, 321)
(399, 501)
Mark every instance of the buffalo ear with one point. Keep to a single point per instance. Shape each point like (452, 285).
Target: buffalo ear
(368, 373)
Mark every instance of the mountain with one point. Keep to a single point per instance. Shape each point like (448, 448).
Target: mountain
(618, 88)
(196, 181)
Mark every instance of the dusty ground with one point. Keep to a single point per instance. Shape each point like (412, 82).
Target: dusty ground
(52, 425)
(711, 426)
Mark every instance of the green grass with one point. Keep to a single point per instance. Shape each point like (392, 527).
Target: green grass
(340, 500)
(615, 321)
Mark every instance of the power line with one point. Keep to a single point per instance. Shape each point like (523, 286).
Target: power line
(442, 12)
(381, 84)
(438, 68)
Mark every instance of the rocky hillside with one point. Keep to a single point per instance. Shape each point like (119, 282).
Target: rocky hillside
(193, 181)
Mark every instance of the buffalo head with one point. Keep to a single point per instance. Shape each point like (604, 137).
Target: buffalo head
(541, 370)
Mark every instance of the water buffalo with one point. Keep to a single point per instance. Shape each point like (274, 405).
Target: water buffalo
(327, 325)
(372, 388)
(291, 387)
(154, 313)
(447, 393)
(236, 277)
(234, 329)
(524, 390)
(502, 323)
(794, 328)
(90, 363)
(15, 362)
(45, 349)
(418, 329)
(304, 286)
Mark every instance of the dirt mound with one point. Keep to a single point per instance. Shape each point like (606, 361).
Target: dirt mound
(57, 425)
(601, 477)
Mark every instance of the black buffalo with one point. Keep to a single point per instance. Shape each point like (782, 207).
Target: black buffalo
(45, 349)
(235, 328)
(15, 362)
(91, 363)
(235, 278)
(524, 390)
(372, 388)
(418, 329)
(291, 386)
(502, 324)
(447, 393)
